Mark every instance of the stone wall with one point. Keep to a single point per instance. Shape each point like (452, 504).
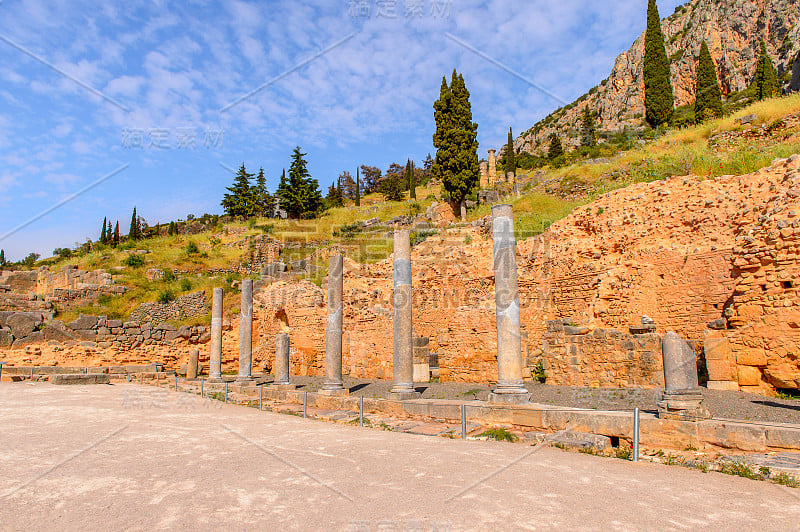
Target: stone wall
(186, 306)
(42, 289)
(603, 357)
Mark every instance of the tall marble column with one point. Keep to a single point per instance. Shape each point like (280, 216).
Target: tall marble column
(246, 334)
(333, 330)
(403, 329)
(510, 388)
(215, 363)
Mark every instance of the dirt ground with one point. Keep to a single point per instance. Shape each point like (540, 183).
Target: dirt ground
(85, 457)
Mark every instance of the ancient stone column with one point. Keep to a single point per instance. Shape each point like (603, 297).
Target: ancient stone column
(510, 388)
(484, 174)
(246, 334)
(492, 168)
(403, 331)
(333, 329)
(281, 368)
(192, 364)
(511, 177)
(682, 398)
(215, 363)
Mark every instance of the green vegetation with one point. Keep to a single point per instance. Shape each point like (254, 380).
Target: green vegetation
(135, 230)
(456, 164)
(133, 261)
(538, 372)
(766, 78)
(588, 128)
(658, 97)
(499, 434)
(510, 155)
(300, 195)
(708, 103)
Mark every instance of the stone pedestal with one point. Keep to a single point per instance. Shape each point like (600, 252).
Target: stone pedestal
(484, 175)
(281, 368)
(192, 364)
(333, 329)
(215, 363)
(246, 334)
(403, 330)
(510, 388)
(682, 398)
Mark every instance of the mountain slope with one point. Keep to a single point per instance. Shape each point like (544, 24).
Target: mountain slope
(733, 31)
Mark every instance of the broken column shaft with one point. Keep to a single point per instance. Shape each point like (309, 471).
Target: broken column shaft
(281, 368)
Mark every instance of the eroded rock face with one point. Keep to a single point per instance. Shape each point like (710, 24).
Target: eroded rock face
(733, 30)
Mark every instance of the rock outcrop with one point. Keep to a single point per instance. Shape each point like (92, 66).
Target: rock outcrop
(733, 30)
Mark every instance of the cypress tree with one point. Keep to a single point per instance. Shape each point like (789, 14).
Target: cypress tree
(116, 234)
(588, 128)
(708, 102)
(133, 232)
(556, 149)
(358, 188)
(659, 102)
(103, 232)
(239, 199)
(511, 156)
(455, 139)
(766, 78)
(412, 182)
(2, 257)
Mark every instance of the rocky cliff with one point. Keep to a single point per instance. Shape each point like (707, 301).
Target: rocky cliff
(733, 30)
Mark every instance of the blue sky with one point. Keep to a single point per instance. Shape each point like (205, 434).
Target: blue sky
(145, 90)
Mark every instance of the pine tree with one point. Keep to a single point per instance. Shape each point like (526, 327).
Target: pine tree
(659, 102)
(588, 128)
(455, 139)
(556, 149)
(262, 199)
(103, 232)
(334, 198)
(766, 79)
(708, 101)
(510, 155)
(358, 189)
(116, 234)
(239, 201)
(301, 193)
(133, 232)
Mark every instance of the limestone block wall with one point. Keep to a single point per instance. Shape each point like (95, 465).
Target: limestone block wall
(602, 357)
(186, 306)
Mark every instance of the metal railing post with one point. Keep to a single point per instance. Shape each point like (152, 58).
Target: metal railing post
(176, 382)
(141, 378)
(201, 387)
(157, 377)
(1, 369)
(635, 434)
(226, 392)
(361, 411)
(31, 373)
(305, 405)
(260, 398)
(463, 422)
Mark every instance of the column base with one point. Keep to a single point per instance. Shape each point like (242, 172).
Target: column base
(334, 392)
(282, 386)
(684, 405)
(509, 398)
(245, 381)
(403, 396)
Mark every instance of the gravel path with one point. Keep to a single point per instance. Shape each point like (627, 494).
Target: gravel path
(722, 404)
